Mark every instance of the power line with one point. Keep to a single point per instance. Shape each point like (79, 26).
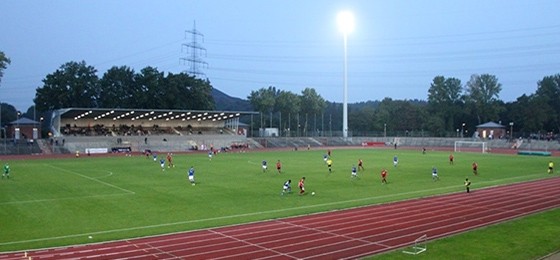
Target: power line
(196, 50)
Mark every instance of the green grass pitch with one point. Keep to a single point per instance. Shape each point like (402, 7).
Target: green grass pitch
(50, 203)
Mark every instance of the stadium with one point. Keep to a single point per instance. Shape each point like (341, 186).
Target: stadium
(112, 180)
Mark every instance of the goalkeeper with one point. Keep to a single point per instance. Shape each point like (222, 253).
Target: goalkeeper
(6, 171)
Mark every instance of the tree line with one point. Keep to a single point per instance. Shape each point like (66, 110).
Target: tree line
(76, 84)
(451, 109)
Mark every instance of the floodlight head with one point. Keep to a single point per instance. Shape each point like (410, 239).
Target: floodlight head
(345, 22)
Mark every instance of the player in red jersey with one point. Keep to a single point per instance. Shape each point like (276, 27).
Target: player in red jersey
(475, 168)
(301, 186)
(279, 166)
(360, 165)
(384, 176)
(170, 160)
(451, 158)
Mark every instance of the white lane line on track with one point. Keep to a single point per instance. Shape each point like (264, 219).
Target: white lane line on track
(333, 234)
(249, 243)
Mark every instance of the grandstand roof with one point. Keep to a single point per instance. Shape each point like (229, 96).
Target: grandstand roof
(155, 115)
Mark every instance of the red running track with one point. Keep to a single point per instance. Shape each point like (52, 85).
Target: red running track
(345, 234)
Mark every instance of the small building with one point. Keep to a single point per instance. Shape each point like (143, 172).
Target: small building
(490, 130)
(23, 128)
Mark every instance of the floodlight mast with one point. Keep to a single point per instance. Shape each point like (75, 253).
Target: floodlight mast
(346, 25)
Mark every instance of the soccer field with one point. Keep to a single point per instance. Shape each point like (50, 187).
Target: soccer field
(59, 202)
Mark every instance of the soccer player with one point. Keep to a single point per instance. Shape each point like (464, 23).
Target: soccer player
(384, 176)
(191, 175)
(329, 164)
(264, 166)
(354, 172)
(170, 160)
(287, 187)
(550, 167)
(468, 185)
(279, 166)
(162, 164)
(395, 161)
(435, 176)
(360, 165)
(325, 158)
(210, 154)
(301, 186)
(6, 171)
(154, 155)
(475, 168)
(451, 159)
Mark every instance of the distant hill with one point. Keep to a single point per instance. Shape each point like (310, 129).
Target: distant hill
(228, 103)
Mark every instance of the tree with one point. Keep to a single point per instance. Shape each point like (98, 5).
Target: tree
(264, 100)
(199, 93)
(72, 85)
(288, 105)
(4, 62)
(312, 104)
(118, 88)
(8, 113)
(149, 92)
(444, 101)
(482, 96)
(548, 98)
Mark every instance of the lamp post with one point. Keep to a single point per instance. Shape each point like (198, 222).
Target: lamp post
(462, 130)
(511, 131)
(385, 130)
(346, 25)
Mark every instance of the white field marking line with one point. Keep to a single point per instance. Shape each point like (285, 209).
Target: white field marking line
(249, 243)
(105, 176)
(63, 198)
(253, 163)
(240, 215)
(424, 231)
(93, 179)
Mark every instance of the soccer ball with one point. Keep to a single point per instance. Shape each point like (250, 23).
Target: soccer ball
(312, 193)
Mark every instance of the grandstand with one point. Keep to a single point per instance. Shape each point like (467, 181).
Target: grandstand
(117, 130)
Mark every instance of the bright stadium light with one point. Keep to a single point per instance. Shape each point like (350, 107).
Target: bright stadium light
(345, 22)
(346, 25)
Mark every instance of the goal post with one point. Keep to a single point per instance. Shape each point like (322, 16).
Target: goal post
(470, 146)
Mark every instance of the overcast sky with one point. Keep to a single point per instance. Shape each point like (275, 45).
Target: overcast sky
(396, 49)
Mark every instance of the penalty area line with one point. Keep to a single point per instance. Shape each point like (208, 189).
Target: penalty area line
(92, 179)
